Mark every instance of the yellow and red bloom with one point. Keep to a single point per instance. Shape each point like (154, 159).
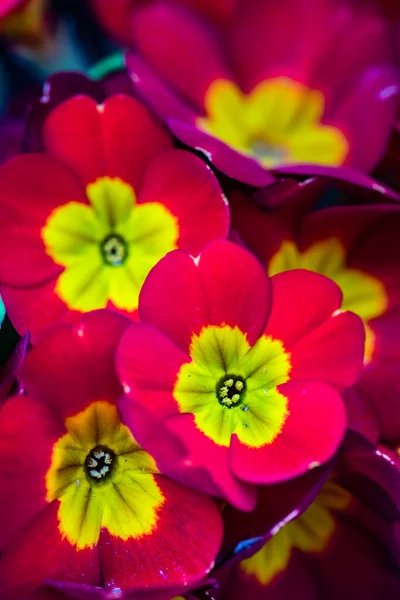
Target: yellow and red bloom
(334, 550)
(244, 372)
(263, 92)
(357, 247)
(82, 504)
(83, 223)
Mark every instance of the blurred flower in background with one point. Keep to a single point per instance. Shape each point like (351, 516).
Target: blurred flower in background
(323, 93)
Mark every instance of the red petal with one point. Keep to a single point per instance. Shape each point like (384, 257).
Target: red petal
(180, 47)
(28, 432)
(302, 301)
(72, 366)
(191, 458)
(147, 363)
(31, 187)
(310, 436)
(120, 139)
(116, 21)
(36, 308)
(38, 553)
(182, 549)
(226, 286)
(172, 298)
(190, 191)
(205, 465)
(333, 352)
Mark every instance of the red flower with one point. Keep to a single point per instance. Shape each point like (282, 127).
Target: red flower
(333, 550)
(264, 91)
(83, 224)
(357, 247)
(243, 372)
(82, 504)
(343, 543)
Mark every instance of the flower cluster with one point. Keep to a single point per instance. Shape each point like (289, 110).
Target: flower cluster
(199, 252)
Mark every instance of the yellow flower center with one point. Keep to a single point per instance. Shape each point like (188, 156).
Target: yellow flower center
(311, 532)
(102, 479)
(231, 387)
(277, 123)
(108, 246)
(363, 294)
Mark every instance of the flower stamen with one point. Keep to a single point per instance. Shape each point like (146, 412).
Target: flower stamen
(114, 250)
(99, 463)
(230, 390)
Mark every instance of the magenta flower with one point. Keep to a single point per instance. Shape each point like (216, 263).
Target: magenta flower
(84, 509)
(265, 92)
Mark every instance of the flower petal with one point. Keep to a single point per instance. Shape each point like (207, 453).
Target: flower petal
(226, 285)
(24, 571)
(180, 47)
(176, 551)
(189, 190)
(174, 282)
(25, 447)
(309, 437)
(118, 138)
(31, 187)
(333, 352)
(53, 371)
(371, 475)
(25, 308)
(57, 88)
(234, 164)
(296, 315)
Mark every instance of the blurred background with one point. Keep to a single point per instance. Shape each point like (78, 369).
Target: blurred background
(40, 37)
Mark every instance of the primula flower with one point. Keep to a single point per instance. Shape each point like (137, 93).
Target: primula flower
(357, 247)
(83, 506)
(265, 91)
(83, 223)
(361, 469)
(242, 371)
(321, 549)
(333, 550)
